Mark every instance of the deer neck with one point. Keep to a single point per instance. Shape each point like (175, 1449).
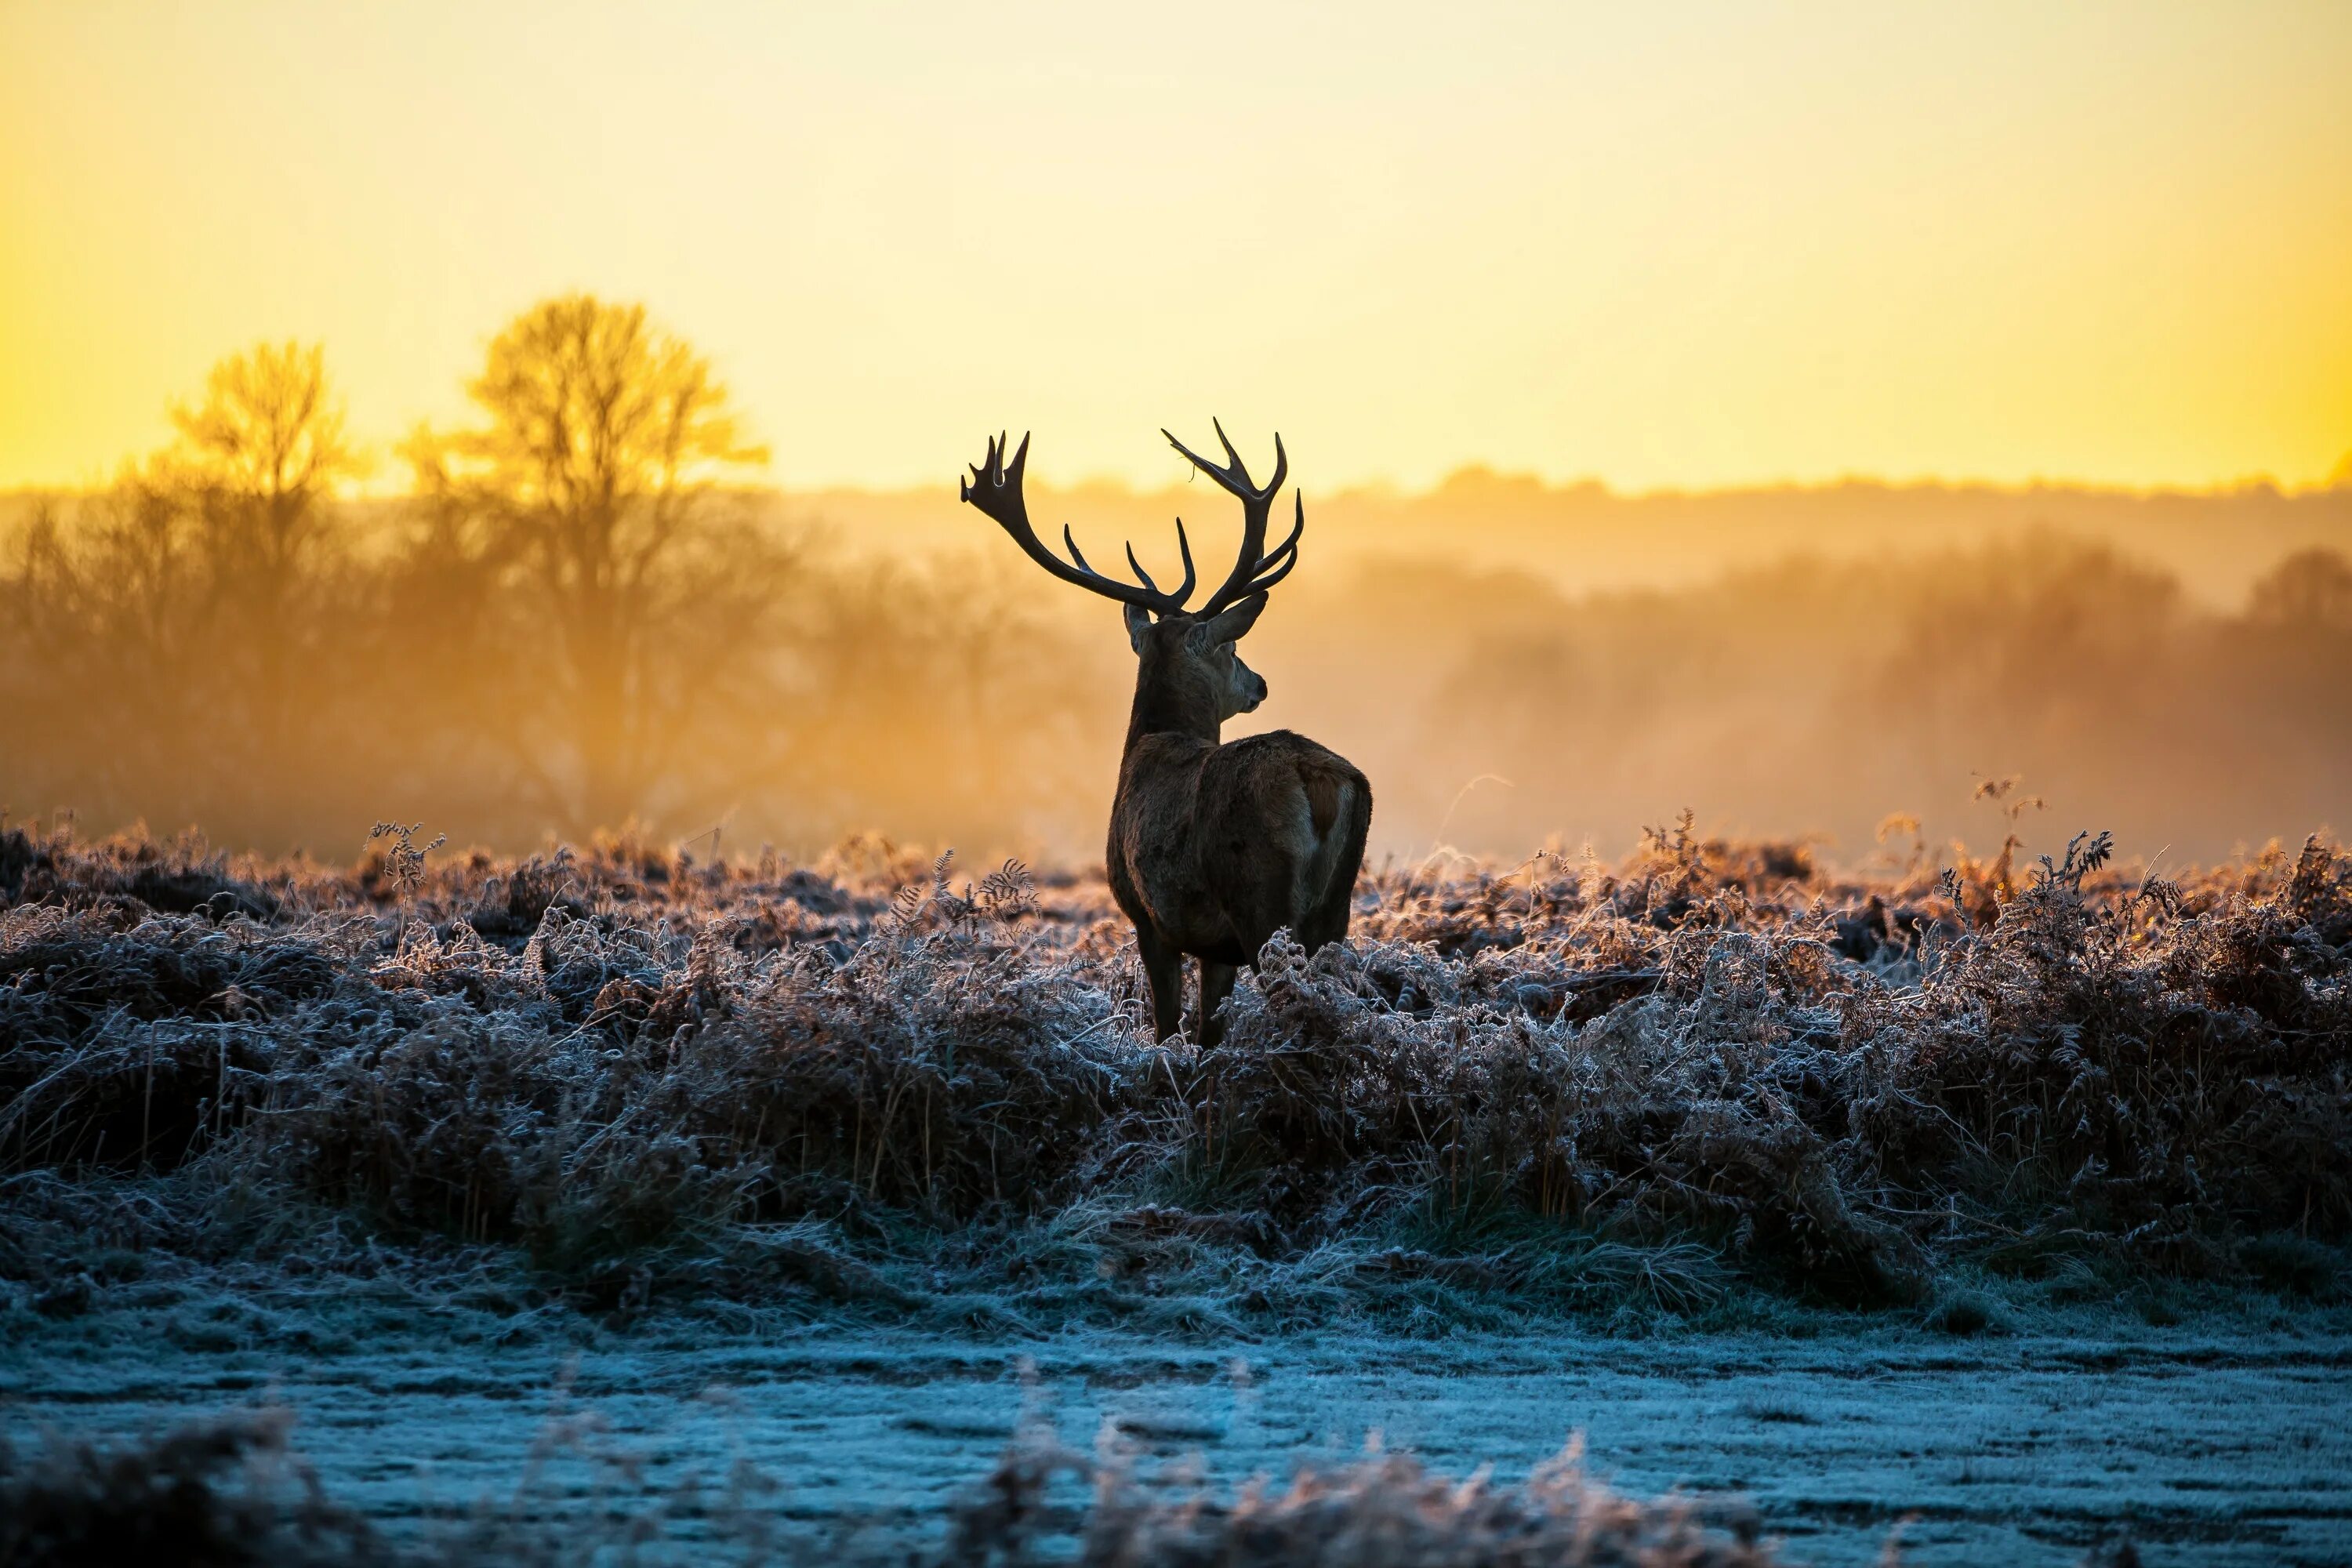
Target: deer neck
(1166, 704)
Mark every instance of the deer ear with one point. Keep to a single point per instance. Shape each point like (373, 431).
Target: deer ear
(1138, 621)
(1231, 625)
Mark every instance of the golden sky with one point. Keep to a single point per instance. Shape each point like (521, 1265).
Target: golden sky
(1684, 244)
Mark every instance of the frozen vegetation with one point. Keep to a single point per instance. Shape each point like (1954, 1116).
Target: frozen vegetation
(2007, 1196)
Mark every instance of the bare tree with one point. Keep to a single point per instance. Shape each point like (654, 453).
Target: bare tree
(253, 470)
(177, 617)
(591, 474)
(2310, 591)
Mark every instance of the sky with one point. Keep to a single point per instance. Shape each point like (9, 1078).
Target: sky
(1690, 244)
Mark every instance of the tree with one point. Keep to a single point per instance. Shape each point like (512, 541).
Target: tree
(253, 470)
(268, 436)
(591, 474)
(2310, 591)
(177, 622)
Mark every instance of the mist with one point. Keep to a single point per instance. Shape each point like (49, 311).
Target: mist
(816, 667)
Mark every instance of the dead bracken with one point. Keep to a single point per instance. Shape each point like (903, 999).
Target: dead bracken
(864, 1085)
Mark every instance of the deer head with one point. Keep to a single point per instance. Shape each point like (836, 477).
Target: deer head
(1187, 662)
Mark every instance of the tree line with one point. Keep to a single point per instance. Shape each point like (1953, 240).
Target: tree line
(577, 609)
(575, 615)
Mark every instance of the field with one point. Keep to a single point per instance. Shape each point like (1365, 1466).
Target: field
(2008, 1194)
(592, 600)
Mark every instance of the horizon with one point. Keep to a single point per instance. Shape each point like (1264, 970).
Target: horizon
(1464, 474)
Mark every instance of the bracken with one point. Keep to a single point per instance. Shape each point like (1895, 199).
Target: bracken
(1832, 1081)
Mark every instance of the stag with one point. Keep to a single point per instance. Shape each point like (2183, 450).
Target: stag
(1214, 846)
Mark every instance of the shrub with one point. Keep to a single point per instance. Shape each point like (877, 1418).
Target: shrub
(1508, 1069)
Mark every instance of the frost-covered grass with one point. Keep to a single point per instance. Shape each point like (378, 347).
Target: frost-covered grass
(2218, 1440)
(621, 1080)
(231, 1491)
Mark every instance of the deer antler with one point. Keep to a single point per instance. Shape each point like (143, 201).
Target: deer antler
(1257, 570)
(995, 488)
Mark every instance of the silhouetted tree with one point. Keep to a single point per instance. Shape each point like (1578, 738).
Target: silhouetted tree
(253, 470)
(591, 474)
(2310, 591)
(177, 617)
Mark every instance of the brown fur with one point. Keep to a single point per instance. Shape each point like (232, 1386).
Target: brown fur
(1214, 847)
(1325, 787)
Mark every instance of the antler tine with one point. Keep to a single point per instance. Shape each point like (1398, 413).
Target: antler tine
(1233, 458)
(1255, 569)
(1281, 462)
(994, 488)
(1273, 567)
(1183, 548)
(990, 472)
(1289, 546)
(1234, 475)
(1184, 545)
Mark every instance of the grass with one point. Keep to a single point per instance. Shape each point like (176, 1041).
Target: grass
(625, 1080)
(233, 1491)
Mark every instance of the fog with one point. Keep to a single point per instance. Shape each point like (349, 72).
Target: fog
(1515, 668)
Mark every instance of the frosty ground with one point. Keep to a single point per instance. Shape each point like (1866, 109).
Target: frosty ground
(2006, 1199)
(2220, 1440)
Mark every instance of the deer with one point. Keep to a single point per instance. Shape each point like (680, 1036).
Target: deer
(1214, 846)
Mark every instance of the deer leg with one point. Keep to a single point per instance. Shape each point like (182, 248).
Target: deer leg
(1164, 966)
(1216, 984)
(1327, 921)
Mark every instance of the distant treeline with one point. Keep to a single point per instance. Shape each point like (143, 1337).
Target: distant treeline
(1820, 698)
(575, 613)
(1586, 538)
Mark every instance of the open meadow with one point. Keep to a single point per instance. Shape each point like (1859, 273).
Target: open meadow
(2005, 1198)
(1253, 785)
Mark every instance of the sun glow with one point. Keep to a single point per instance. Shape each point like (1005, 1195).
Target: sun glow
(1704, 246)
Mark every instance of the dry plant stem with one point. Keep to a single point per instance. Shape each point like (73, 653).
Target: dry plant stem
(623, 1063)
(236, 1491)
